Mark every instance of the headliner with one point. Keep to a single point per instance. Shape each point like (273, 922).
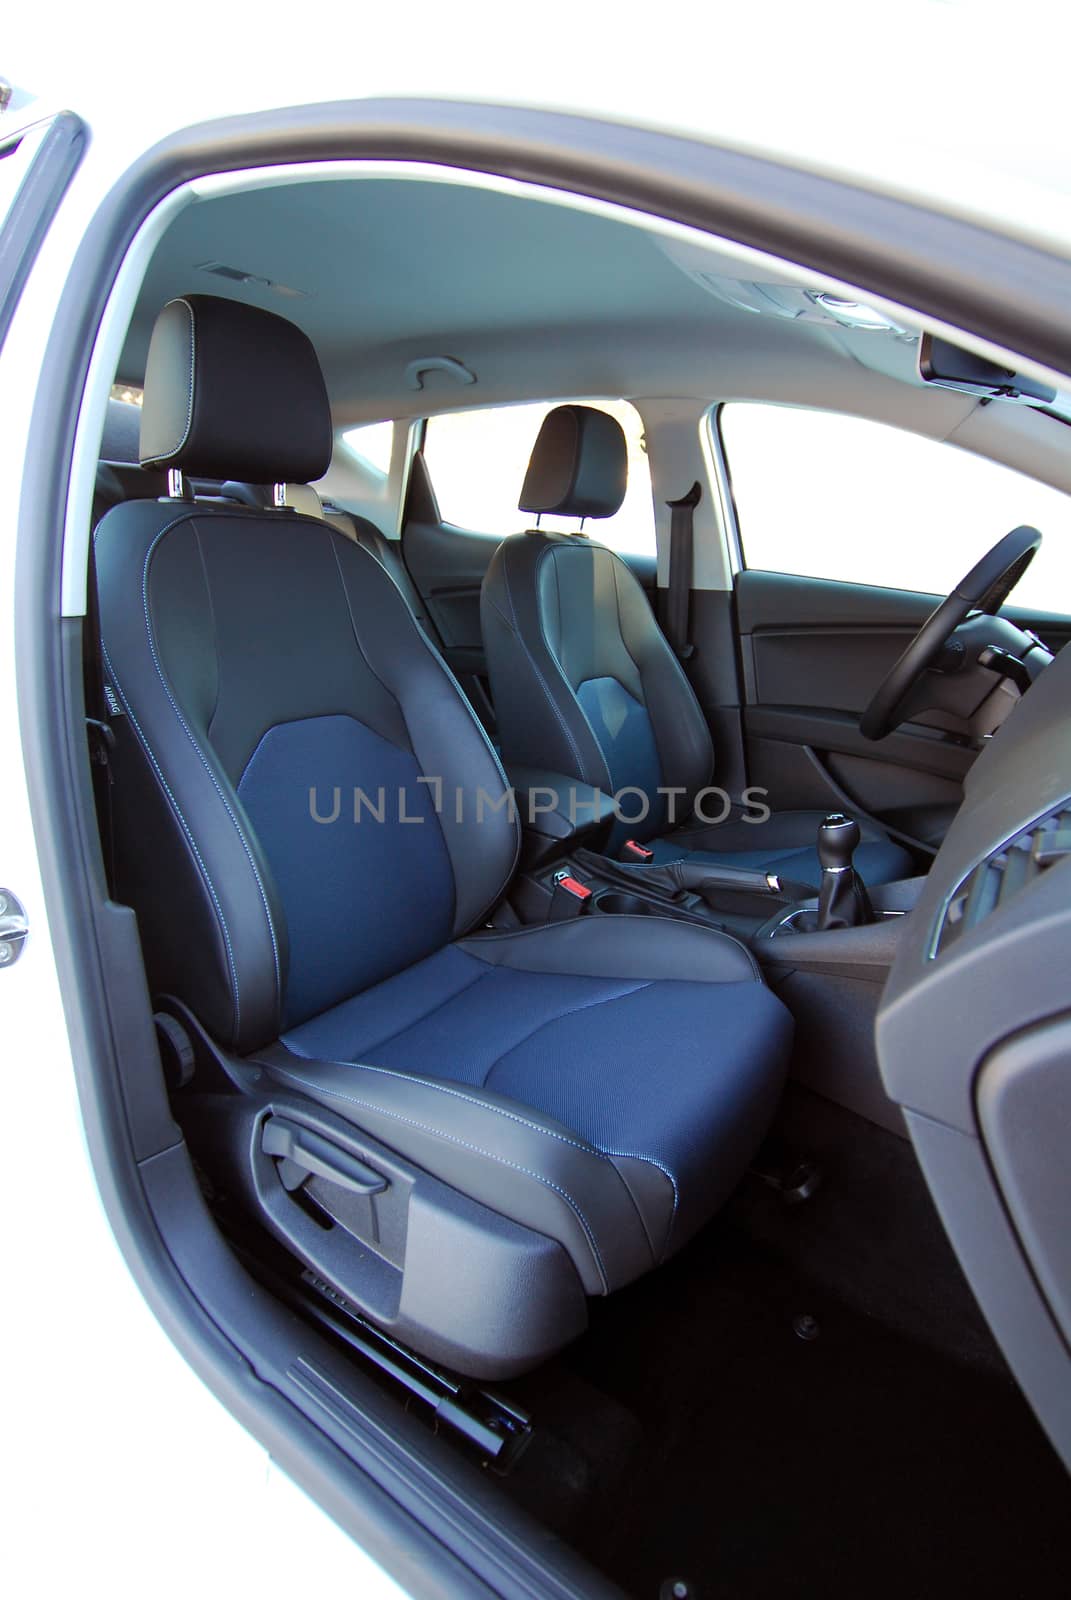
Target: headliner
(538, 299)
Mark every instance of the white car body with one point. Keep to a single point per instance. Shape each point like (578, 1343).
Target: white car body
(106, 1451)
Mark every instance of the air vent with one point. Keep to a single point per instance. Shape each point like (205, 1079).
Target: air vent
(1004, 874)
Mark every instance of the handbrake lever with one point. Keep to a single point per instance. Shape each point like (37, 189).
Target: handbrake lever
(694, 877)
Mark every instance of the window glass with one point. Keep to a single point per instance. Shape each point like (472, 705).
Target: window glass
(477, 461)
(829, 496)
(373, 442)
(128, 393)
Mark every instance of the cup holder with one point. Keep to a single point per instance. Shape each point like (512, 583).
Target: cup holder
(618, 904)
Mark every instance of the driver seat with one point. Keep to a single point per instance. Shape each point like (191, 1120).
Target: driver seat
(585, 684)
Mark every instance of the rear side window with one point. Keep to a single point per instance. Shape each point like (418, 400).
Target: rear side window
(477, 460)
(374, 443)
(822, 495)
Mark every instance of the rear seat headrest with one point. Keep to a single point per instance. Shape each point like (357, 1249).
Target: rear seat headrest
(121, 426)
(578, 466)
(233, 392)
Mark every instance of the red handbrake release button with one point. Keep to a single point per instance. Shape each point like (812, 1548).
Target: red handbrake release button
(575, 887)
(632, 850)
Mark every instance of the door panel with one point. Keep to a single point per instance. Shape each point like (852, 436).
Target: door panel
(448, 565)
(813, 651)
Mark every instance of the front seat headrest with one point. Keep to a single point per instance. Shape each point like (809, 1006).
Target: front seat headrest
(579, 465)
(233, 392)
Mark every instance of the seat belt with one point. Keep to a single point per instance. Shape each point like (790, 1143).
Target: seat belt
(679, 591)
(98, 725)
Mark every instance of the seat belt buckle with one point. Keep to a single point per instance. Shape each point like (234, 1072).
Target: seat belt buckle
(633, 851)
(570, 898)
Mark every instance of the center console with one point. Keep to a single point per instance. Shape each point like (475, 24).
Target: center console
(566, 873)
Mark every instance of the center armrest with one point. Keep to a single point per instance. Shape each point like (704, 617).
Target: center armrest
(558, 812)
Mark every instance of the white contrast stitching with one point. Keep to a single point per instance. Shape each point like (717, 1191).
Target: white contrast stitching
(456, 1094)
(463, 1144)
(451, 678)
(538, 671)
(630, 1155)
(204, 761)
(181, 301)
(500, 935)
(186, 830)
(386, 1038)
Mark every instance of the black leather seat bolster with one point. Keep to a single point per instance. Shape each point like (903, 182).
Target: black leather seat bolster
(218, 938)
(535, 703)
(358, 529)
(615, 947)
(515, 1160)
(524, 1164)
(557, 611)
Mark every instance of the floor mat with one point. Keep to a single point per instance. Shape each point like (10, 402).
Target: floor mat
(879, 1457)
(853, 1463)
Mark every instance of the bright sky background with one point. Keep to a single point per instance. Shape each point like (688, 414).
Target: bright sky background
(477, 461)
(957, 98)
(830, 496)
(961, 96)
(817, 493)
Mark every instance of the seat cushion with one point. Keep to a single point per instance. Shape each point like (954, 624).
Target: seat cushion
(659, 1048)
(784, 844)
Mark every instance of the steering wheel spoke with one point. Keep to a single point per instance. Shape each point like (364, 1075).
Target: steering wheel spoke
(985, 588)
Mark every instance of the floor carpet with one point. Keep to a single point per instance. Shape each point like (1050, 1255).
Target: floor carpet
(694, 1434)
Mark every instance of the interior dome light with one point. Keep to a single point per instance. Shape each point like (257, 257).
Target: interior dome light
(853, 313)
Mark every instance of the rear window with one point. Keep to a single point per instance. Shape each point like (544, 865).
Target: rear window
(477, 460)
(374, 443)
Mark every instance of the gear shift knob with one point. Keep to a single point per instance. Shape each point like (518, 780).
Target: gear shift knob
(838, 837)
(842, 896)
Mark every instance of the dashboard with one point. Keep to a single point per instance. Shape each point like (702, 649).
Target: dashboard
(974, 1040)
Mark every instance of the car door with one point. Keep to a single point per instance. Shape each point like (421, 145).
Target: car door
(462, 502)
(850, 533)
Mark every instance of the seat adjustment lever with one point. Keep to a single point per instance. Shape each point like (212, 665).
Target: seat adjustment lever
(305, 1154)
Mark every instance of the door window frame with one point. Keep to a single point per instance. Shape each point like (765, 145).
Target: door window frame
(1004, 290)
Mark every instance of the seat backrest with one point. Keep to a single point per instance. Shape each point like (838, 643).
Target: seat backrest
(583, 680)
(304, 803)
(388, 552)
(358, 529)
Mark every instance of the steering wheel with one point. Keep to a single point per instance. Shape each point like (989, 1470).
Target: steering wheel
(985, 588)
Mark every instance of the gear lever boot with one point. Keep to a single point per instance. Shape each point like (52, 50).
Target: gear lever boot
(842, 898)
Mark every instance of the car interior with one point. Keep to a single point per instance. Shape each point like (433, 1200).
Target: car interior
(592, 886)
